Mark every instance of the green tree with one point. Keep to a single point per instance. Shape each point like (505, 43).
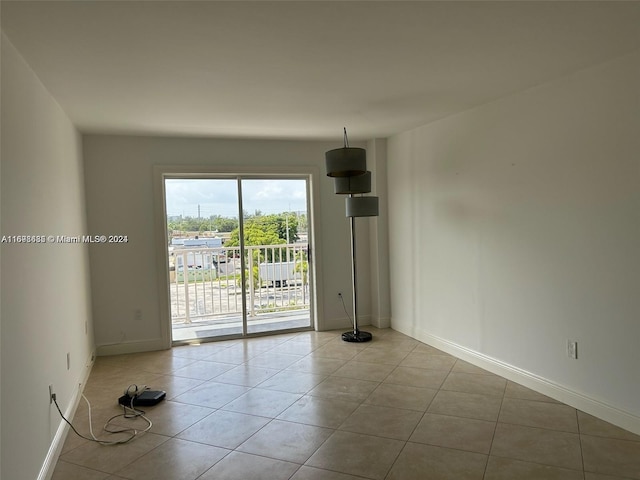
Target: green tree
(254, 234)
(302, 222)
(285, 225)
(213, 223)
(271, 229)
(225, 224)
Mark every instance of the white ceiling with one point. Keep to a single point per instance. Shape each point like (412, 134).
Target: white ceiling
(302, 69)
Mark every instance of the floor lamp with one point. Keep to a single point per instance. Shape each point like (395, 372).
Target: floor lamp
(348, 167)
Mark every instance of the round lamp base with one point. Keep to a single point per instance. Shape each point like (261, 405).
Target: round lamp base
(356, 336)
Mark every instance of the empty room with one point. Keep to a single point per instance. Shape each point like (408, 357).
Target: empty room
(310, 240)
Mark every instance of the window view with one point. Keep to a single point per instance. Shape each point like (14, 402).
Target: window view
(233, 274)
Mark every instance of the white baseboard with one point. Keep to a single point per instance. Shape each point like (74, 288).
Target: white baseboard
(381, 322)
(132, 347)
(578, 400)
(55, 449)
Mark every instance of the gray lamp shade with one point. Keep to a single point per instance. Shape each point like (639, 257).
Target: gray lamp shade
(346, 162)
(353, 185)
(362, 206)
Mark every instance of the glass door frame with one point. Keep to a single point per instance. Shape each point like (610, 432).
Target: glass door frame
(310, 174)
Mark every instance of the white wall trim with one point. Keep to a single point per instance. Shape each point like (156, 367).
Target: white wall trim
(132, 347)
(581, 401)
(160, 238)
(50, 461)
(310, 173)
(55, 449)
(381, 322)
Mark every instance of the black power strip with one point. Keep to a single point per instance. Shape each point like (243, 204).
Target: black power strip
(147, 398)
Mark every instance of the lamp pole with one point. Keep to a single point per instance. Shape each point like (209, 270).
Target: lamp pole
(352, 224)
(356, 335)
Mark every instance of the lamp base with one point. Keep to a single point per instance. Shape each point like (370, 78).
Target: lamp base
(356, 336)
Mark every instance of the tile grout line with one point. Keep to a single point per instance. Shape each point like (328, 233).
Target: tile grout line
(495, 428)
(417, 424)
(150, 369)
(584, 474)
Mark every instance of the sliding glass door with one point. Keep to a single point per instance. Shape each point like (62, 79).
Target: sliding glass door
(237, 252)
(276, 247)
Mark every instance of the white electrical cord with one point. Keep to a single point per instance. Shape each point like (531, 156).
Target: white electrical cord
(107, 428)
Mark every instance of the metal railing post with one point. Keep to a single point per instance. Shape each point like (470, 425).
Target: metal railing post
(251, 291)
(185, 279)
(283, 270)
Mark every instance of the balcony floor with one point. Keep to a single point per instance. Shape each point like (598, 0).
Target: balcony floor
(232, 325)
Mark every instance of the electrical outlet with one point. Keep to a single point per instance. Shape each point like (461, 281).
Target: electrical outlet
(572, 349)
(137, 315)
(68, 360)
(51, 394)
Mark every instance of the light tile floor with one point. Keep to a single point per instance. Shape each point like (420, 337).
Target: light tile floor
(309, 406)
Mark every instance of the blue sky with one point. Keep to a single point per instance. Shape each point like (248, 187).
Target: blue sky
(219, 196)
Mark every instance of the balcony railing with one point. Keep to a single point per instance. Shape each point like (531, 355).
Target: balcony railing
(206, 283)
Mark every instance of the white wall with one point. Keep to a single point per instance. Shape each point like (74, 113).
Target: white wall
(45, 287)
(519, 227)
(379, 235)
(120, 200)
